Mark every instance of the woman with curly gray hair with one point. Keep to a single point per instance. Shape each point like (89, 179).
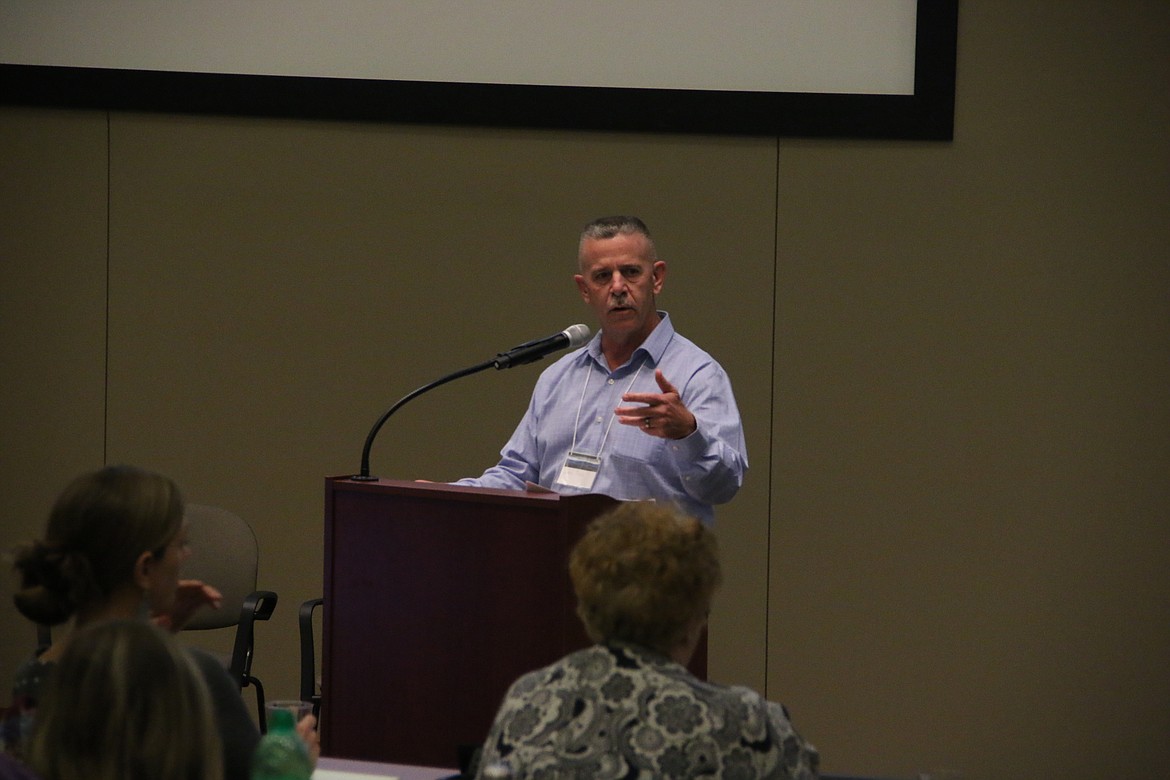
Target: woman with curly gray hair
(644, 576)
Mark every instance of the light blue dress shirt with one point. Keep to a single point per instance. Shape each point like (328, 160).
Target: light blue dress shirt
(579, 393)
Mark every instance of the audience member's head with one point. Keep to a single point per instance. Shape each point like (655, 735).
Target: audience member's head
(645, 574)
(627, 706)
(126, 703)
(110, 530)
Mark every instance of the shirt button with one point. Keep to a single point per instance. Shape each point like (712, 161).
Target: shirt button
(599, 421)
(609, 381)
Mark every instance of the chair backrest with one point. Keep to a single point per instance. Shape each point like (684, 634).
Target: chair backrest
(225, 554)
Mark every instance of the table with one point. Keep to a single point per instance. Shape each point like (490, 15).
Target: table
(346, 769)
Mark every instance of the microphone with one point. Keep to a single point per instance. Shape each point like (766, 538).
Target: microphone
(528, 352)
(531, 351)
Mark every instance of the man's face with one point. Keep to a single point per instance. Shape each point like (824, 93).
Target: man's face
(619, 283)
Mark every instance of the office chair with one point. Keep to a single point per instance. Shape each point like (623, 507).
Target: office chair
(310, 680)
(225, 554)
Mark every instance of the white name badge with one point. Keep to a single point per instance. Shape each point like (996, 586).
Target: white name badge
(579, 470)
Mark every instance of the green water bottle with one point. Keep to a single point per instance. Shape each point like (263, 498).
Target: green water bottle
(281, 754)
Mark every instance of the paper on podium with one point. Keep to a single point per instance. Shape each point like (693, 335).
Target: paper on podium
(337, 774)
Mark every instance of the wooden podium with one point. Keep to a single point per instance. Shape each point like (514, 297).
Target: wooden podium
(437, 597)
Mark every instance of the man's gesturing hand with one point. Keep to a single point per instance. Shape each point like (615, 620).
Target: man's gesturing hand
(662, 414)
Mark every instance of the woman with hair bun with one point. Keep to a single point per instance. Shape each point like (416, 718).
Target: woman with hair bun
(112, 550)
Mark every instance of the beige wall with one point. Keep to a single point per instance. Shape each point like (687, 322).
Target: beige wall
(972, 463)
(952, 360)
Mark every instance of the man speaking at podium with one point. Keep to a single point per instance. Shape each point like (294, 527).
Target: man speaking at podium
(678, 436)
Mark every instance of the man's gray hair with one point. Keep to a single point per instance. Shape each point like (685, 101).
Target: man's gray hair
(608, 227)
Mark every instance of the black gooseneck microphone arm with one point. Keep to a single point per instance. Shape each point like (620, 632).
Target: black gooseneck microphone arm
(528, 352)
(364, 476)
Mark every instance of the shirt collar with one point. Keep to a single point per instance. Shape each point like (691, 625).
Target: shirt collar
(654, 345)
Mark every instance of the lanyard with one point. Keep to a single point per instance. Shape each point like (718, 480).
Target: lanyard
(581, 402)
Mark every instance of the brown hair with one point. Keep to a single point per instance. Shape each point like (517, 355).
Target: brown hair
(643, 573)
(125, 702)
(98, 527)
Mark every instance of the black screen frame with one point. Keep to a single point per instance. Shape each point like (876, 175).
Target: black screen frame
(928, 114)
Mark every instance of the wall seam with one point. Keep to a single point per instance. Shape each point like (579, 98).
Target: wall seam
(771, 416)
(106, 367)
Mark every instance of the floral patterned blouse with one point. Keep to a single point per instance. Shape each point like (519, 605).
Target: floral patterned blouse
(621, 711)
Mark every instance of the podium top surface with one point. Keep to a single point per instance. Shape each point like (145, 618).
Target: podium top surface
(451, 492)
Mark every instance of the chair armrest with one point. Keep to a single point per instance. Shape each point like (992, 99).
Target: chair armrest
(308, 653)
(257, 606)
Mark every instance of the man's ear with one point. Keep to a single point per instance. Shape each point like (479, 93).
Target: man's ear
(142, 568)
(659, 271)
(582, 287)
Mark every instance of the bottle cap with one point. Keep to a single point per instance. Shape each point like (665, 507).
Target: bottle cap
(281, 720)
